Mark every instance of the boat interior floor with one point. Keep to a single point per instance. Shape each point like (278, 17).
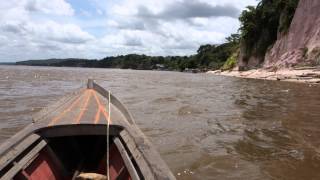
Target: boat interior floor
(68, 157)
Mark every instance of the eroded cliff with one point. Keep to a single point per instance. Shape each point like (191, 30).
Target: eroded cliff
(301, 45)
(297, 45)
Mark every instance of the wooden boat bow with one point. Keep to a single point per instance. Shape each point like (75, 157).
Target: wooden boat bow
(69, 136)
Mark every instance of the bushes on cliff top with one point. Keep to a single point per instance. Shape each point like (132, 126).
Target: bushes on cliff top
(214, 56)
(260, 25)
(231, 62)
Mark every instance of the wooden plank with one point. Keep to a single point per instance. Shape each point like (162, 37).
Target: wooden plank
(57, 161)
(15, 139)
(127, 161)
(145, 156)
(24, 161)
(115, 101)
(18, 149)
(57, 106)
(144, 168)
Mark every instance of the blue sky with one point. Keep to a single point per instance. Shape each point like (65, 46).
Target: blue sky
(90, 11)
(40, 29)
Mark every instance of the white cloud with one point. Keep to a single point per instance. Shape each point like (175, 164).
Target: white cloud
(57, 7)
(129, 7)
(52, 29)
(178, 34)
(46, 31)
(64, 33)
(99, 11)
(33, 33)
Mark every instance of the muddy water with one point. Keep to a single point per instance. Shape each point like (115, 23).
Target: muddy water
(204, 126)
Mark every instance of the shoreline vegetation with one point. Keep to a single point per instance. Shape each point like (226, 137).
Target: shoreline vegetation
(208, 57)
(242, 55)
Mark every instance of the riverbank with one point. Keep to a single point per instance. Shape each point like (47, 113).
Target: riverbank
(303, 75)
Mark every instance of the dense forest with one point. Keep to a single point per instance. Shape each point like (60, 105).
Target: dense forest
(207, 57)
(261, 26)
(259, 29)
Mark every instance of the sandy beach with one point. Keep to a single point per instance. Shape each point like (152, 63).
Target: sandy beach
(303, 75)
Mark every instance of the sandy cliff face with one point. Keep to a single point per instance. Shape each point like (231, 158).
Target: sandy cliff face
(301, 45)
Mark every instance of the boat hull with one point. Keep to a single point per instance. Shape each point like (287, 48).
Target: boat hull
(70, 139)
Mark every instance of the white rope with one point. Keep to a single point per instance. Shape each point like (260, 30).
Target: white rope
(108, 124)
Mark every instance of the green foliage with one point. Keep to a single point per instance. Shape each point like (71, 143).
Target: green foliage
(231, 62)
(207, 57)
(289, 8)
(214, 56)
(260, 25)
(305, 52)
(259, 29)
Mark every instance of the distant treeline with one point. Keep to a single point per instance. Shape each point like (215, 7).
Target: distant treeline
(208, 57)
(259, 29)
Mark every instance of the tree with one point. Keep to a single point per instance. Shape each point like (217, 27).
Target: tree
(260, 25)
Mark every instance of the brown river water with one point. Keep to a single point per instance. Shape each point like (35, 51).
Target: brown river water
(204, 126)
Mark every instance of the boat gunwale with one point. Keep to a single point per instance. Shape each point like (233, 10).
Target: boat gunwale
(142, 150)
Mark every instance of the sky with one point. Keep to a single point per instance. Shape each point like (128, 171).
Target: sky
(42, 29)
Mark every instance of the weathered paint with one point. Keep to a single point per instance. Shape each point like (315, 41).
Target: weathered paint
(79, 108)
